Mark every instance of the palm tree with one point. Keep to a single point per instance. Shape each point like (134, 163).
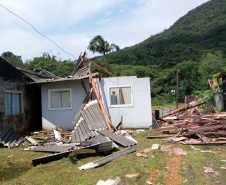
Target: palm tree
(98, 44)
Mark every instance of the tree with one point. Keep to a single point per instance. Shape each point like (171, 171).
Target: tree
(46, 62)
(98, 44)
(12, 59)
(212, 63)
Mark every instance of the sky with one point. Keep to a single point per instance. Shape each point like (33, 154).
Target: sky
(73, 23)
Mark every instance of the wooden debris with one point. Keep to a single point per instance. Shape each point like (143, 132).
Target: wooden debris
(193, 129)
(141, 155)
(159, 136)
(132, 175)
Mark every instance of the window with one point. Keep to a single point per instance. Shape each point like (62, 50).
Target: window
(59, 99)
(13, 103)
(120, 96)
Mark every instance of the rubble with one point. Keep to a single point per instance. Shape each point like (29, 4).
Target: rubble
(192, 129)
(109, 181)
(208, 170)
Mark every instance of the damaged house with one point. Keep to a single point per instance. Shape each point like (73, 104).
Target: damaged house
(126, 100)
(20, 103)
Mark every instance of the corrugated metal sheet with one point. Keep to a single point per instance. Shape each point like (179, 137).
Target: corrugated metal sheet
(8, 136)
(107, 159)
(117, 138)
(92, 127)
(38, 75)
(54, 149)
(92, 119)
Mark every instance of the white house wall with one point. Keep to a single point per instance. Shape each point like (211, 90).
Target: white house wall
(62, 118)
(139, 115)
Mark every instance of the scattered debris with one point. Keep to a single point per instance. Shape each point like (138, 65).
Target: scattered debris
(155, 146)
(107, 159)
(8, 137)
(109, 181)
(140, 131)
(141, 155)
(195, 129)
(149, 182)
(57, 134)
(117, 138)
(132, 175)
(31, 140)
(208, 170)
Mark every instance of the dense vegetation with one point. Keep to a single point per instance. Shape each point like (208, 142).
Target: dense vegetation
(195, 44)
(46, 61)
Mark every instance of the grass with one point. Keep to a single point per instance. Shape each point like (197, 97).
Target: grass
(158, 107)
(16, 167)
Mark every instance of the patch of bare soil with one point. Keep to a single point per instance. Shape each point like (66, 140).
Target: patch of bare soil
(172, 176)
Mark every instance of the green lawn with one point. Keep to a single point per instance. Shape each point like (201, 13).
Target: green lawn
(158, 107)
(16, 168)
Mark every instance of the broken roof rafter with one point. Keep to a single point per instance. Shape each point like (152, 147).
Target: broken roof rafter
(92, 83)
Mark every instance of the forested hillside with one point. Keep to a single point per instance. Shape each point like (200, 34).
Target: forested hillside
(192, 36)
(195, 44)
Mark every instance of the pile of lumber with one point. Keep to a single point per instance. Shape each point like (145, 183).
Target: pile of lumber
(196, 129)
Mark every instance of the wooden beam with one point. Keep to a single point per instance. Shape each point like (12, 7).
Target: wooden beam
(100, 67)
(159, 136)
(109, 124)
(84, 87)
(212, 107)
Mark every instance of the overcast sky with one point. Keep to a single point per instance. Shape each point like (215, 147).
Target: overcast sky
(73, 23)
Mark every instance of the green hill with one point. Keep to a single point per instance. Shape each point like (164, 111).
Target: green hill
(198, 32)
(195, 44)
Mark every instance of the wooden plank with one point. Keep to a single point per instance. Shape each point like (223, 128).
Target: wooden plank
(155, 120)
(100, 67)
(184, 108)
(210, 143)
(159, 136)
(164, 128)
(51, 132)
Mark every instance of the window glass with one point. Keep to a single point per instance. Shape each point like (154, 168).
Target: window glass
(60, 99)
(120, 96)
(12, 103)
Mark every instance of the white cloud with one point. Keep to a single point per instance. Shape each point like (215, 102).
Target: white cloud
(123, 22)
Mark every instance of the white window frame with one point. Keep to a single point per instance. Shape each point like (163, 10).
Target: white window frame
(21, 102)
(49, 98)
(120, 105)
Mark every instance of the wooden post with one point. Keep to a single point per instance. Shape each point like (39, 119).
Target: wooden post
(177, 87)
